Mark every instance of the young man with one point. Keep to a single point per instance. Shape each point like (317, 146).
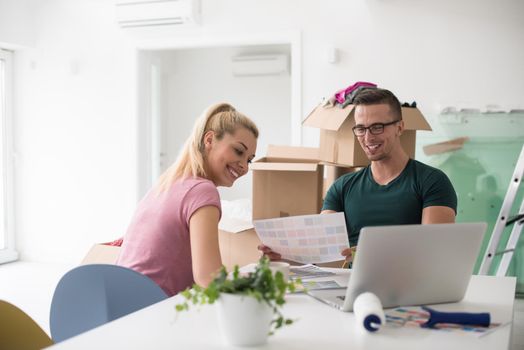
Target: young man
(393, 189)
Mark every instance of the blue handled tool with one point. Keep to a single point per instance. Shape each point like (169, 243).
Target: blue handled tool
(464, 318)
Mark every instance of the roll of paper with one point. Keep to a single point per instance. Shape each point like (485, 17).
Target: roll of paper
(368, 312)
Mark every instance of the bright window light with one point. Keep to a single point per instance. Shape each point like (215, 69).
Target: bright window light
(7, 248)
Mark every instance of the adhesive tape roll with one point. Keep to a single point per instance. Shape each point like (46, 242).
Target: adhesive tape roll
(368, 312)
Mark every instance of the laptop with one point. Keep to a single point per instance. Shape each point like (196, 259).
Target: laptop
(410, 265)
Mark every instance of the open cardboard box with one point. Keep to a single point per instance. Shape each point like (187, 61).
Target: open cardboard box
(338, 145)
(287, 182)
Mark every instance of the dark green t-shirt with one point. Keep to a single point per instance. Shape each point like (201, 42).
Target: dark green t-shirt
(400, 202)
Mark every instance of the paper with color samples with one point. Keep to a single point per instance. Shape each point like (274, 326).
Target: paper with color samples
(306, 239)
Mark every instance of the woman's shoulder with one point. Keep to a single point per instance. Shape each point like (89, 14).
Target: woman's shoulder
(195, 181)
(196, 184)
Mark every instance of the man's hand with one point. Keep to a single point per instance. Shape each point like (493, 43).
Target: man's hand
(349, 254)
(269, 252)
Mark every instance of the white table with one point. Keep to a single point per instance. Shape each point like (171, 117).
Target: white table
(319, 326)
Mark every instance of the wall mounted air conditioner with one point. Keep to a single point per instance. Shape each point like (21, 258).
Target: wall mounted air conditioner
(263, 64)
(137, 13)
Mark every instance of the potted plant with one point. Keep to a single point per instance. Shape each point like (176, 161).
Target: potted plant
(248, 305)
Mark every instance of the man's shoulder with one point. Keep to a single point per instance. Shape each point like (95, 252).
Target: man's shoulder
(418, 164)
(429, 177)
(352, 176)
(425, 169)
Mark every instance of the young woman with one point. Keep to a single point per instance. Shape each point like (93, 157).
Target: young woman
(173, 236)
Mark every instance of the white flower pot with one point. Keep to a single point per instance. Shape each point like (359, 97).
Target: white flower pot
(244, 321)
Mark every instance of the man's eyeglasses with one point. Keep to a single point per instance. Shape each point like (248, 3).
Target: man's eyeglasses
(374, 129)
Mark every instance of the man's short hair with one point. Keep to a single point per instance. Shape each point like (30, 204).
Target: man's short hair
(379, 96)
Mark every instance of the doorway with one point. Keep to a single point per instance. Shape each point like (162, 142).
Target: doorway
(176, 84)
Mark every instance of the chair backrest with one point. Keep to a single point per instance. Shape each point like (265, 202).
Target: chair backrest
(90, 295)
(19, 331)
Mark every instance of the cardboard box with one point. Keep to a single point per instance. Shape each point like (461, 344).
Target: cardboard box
(287, 182)
(101, 254)
(338, 144)
(238, 248)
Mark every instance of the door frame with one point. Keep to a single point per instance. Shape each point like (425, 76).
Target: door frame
(8, 252)
(145, 122)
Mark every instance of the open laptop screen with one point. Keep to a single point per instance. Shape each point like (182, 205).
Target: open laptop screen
(413, 264)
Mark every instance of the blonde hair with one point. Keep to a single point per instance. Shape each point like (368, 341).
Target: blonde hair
(221, 118)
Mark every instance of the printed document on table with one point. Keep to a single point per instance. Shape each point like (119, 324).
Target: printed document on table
(306, 238)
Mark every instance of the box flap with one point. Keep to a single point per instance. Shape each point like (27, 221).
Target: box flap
(414, 120)
(328, 118)
(101, 254)
(262, 165)
(332, 118)
(309, 153)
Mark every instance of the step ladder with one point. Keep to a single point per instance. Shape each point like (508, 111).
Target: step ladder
(504, 220)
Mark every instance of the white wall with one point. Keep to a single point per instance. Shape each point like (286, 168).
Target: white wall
(75, 124)
(440, 54)
(197, 78)
(17, 27)
(75, 132)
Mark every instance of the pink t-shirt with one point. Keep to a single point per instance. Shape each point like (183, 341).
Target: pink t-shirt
(157, 241)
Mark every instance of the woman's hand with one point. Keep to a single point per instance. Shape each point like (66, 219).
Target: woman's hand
(269, 252)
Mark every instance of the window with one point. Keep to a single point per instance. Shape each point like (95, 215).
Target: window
(7, 249)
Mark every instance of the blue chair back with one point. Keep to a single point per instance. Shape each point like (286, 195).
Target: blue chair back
(91, 295)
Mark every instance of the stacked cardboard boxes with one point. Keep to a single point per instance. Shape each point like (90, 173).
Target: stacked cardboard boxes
(286, 182)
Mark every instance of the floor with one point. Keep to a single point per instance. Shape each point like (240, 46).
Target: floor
(30, 286)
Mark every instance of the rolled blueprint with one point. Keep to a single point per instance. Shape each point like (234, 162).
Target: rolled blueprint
(368, 312)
